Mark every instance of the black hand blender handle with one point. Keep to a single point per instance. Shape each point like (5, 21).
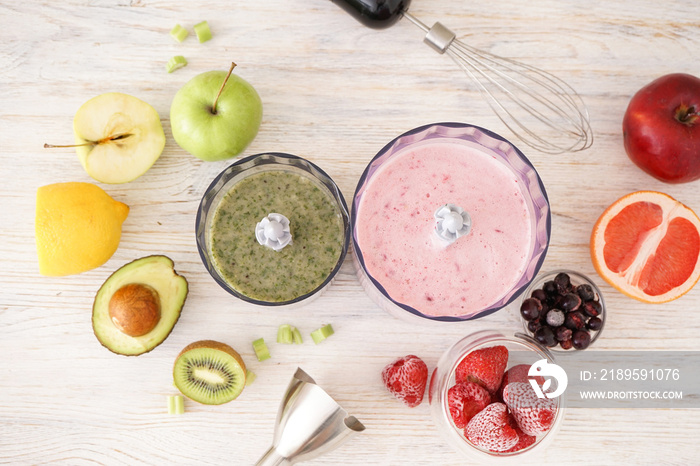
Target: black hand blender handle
(377, 14)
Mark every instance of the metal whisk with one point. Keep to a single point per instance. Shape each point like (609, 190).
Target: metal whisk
(540, 109)
(549, 101)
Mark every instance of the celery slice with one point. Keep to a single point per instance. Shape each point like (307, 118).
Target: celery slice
(250, 377)
(284, 334)
(175, 63)
(322, 333)
(203, 32)
(261, 349)
(176, 404)
(179, 33)
(179, 404)
(296, 336)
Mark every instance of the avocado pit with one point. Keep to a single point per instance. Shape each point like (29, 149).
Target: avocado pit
(135, 309)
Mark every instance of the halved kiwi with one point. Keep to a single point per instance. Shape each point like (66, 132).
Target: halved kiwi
(209, 372)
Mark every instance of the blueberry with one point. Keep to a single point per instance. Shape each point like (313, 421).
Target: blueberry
(562, 333)
(594, 323)
(555, 318)
(581, 339)
(592, 308)
(575, 320)
(530, 309)
(570, 302)
(586, 292)
(545, 335)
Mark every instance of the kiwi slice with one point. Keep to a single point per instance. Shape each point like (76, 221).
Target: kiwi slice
(209, 372)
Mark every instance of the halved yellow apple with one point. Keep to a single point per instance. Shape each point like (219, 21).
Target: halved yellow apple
(118, 137)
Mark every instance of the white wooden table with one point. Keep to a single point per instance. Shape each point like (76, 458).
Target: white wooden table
(335, 93)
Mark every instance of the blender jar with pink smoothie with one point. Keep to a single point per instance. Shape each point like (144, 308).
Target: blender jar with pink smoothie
(450, 222)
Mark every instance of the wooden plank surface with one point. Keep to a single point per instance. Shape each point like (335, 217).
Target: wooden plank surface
(335, 93)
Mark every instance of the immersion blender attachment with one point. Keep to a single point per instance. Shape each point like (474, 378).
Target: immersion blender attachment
(309, 423)
(542, 110)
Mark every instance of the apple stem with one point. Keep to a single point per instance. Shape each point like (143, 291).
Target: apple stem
(230, 70)
(687, 115)
(116, 137)
(61, 146)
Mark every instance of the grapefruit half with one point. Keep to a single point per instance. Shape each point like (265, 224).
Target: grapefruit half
(647, 245)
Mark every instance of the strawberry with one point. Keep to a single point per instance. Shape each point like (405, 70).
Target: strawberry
(534, 416)
(492, 429)
(484, 366)
(517, 374)
(406, 378)
(524, 440)
(465, 399)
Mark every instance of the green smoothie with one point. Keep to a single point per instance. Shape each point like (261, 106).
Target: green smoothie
(259, 272)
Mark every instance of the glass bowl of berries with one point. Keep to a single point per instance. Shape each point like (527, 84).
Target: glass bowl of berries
(563, 310)
(488, 401)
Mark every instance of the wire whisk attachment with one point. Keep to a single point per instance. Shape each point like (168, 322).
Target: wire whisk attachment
(540, 109)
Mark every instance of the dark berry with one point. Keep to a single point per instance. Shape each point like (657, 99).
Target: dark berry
(562, 333)
(555, 318)
(551, 288)
(575, 320)
(557, 301)
(570, 302)
(592, 308)
(594, 323)
(563, 281)
(533, 325)
(566, 344)
(545, 335)
(581, 339)
(539, 294)
(586, 292)
(530, 308)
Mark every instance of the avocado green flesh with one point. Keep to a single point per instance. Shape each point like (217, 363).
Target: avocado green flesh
(156, 272)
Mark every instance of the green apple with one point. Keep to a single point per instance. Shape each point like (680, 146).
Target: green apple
(117, 137)
(215, 115)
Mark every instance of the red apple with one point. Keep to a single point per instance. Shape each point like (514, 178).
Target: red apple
(661, 128)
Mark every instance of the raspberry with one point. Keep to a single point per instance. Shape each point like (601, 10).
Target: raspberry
(484, 366)
(533, 415)
(465, 400)
(406, 378)
(492, 429)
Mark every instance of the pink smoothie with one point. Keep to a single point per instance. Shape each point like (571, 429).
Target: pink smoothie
(395, 229)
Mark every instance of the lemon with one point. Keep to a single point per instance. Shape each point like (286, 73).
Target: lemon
(78, 227)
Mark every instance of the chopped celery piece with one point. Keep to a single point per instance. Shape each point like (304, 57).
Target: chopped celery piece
(203, 32)
(322, 333)
(179, 33)
(176, 63)
(261, 350)
(176, 404)
(296, 336)
(284, 334)
(179, 404)
(250, 377)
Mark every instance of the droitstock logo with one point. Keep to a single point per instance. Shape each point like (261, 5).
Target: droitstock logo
(548, 371)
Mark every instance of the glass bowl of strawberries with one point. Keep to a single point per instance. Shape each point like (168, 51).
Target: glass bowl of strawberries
(496, 396)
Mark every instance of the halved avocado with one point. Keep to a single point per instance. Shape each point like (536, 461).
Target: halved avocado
(137, 307)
